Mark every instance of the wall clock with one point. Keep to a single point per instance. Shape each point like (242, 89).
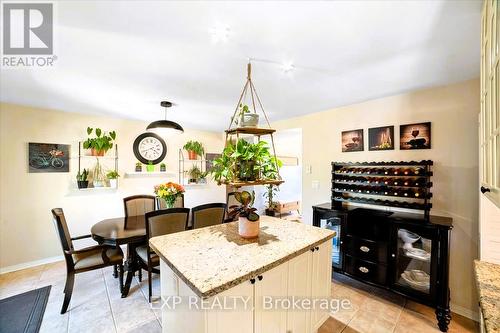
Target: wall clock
(150, 147)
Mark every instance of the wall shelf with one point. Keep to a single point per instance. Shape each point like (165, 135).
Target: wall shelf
(145, 174)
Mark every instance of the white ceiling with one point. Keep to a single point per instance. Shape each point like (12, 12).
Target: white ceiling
(121, 58)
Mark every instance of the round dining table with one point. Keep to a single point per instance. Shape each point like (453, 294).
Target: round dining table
(130, 231)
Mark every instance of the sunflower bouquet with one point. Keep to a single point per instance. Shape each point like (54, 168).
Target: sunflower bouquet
(169, 192)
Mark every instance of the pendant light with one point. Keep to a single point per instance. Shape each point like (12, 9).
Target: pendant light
(165, 127)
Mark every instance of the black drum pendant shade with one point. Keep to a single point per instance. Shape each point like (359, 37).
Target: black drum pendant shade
(165, 127)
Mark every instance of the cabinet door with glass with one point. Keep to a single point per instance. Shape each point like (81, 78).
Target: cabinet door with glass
(414, 260)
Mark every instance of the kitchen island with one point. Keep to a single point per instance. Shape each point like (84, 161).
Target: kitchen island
(212, 280)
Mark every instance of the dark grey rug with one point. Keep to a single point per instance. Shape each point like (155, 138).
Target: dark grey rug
(23, 313)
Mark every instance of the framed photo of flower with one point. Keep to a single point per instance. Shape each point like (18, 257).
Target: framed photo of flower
(352, 141)
(381, 138)
(415, 136)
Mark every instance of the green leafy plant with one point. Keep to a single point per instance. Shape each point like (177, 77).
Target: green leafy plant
(101, 142)
(112, 175)
(162, 165)
(194, 173)
(138, 164)
(245, 161)
(270, 194)
(195, 146)
(82, 176)
(245, 209)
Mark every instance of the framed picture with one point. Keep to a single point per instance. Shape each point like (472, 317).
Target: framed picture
(352, 141)
(210, 157)
(48, 157)
(381, 138)
(415, 136)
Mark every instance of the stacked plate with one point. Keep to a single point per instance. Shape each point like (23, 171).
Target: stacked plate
(418, 254)
(417, 279)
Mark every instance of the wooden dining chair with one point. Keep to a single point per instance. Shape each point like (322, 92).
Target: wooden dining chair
(179, 202)
(208, 214)
(160, 222)
(137, 205)
(230, 201)
(83, 260)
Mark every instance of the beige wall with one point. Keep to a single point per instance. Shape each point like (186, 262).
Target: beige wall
(453, 111)
(26, 230)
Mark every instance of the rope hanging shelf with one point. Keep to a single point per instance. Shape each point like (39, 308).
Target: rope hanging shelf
(235, 131)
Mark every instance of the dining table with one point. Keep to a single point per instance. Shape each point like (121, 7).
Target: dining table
(129, 231)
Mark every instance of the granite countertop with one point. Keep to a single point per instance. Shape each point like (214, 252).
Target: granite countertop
(213, 259)
(488, 282)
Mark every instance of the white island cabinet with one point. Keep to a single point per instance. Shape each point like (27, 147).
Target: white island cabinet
(219, 282)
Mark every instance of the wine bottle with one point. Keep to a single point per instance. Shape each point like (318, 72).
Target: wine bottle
(418, 171)
(396, 171)
(395, 182)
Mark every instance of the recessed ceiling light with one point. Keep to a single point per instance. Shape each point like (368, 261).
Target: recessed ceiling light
(287, 67)
(220, 33)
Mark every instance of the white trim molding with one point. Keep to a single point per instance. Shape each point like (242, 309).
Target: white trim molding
(463, 311)
(30, 264)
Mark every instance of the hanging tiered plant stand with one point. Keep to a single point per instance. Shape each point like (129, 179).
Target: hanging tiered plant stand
(244, 124)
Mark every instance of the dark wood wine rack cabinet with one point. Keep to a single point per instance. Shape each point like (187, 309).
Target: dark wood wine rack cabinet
(406, 252)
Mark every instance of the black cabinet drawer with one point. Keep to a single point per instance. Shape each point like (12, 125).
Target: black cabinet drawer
(365, 249)
(366, 270)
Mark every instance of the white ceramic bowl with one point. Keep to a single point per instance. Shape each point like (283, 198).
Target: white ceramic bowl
(407, 236)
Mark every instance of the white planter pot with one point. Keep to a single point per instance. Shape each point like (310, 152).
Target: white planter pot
(113, 183)
(249, 120)
(248, 229)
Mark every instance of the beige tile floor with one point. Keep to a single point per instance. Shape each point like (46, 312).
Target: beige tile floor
(96, 305)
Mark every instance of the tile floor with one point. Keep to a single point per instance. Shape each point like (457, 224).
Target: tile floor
(96, 305)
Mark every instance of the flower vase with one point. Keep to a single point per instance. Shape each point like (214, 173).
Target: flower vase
(169, 203)
(248, 229)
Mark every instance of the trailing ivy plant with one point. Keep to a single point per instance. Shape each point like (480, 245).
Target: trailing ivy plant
(102, 142)
(245, 161)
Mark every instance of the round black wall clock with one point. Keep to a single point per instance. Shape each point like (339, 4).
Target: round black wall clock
(150, 147)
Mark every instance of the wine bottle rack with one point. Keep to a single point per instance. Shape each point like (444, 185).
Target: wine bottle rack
(407, 183)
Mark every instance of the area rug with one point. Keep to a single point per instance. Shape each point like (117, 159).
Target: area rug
(23, 312)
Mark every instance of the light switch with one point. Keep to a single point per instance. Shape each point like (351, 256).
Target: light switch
(309, 169)
(315, 184)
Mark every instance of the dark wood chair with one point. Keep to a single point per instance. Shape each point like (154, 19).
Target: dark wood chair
(160, 222)
(208, 214)
(179, 202)
(83, 260)
(136, 205)
(230, 201)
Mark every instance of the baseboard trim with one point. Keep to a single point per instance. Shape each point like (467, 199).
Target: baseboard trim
(464, 312)
(30, 264)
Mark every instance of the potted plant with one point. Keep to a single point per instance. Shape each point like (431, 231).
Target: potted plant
(194, 174)
(138, 167)
(169, 192)
(150, 167)
(194, 149)
(203, 177)
(101, 143)
(245, 161)
(163, 167)
(269, 194)
(247, 118)
(82, 179)
(248, 219)
(113, 178)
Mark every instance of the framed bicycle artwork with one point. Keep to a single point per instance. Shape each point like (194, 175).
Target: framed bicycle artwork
(48, 157)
